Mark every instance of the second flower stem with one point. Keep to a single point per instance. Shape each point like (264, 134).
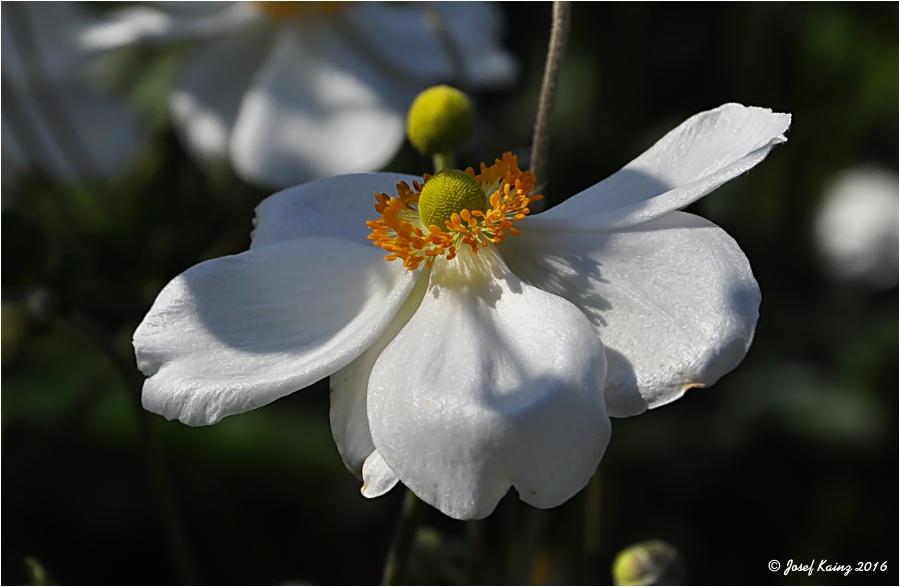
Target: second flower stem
(540, 142)
(401, 546)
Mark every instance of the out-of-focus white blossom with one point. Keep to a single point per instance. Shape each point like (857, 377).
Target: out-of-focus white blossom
(292, 91)
(856, 227)
(54, 119)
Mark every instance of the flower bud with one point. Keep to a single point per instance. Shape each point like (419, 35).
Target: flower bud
(441, 120)
(652, 562)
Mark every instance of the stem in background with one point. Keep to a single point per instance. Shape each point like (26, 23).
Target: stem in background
(592, 525)
(444, 161)
(540, 144)
(401, 546)
(476, 531)
(437, 24)
(529, 541)
(161, 483)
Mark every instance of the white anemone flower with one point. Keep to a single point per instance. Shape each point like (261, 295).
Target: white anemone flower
(54, 119)
(469, 360)
(292, 91)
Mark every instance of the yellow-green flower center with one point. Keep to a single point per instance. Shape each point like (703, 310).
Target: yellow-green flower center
(453, 209)
(449, 192)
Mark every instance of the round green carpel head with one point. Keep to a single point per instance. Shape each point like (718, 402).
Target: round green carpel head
(449, 192)
(441, 120)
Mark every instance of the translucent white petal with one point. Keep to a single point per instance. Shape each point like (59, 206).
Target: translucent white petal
(378, 478)
(235, 333)
(702, 153)
(493, 383)
(167, 22)
(673, 299)
(211, 85)
(317, 108)
(44, 36)
(335, 206)
(61, 125)
(399, 36)
(349, 422)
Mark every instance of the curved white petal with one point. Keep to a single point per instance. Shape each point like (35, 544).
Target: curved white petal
(493, 383)
(673, 299)
(378, 478)
(235, 333)
(167, 22)
(317, 108)
(349, 422)
(400, 36)
(702, 153)
(211, 86)
(336, 206)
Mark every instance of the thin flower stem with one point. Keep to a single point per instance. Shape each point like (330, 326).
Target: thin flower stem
(529, 541)
(476, 531)
(444, 161)
(540, 143)
(401, 546)
(161, 483)
(592, 527)
(437, 24)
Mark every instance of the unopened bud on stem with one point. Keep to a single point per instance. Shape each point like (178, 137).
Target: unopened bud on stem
(441, 120)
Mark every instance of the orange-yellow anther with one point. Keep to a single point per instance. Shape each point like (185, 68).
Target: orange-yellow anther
(401, 232)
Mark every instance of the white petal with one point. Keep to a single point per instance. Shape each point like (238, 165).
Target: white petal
(399, 35)
(378, 478)
(492, 383)
(674, 301)
(702, 153)
(211, 85)
(167, 22)
(235, 333)
(349, 422)
(335, 206)
(316, 109)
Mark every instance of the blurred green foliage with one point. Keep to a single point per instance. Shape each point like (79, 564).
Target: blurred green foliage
(790, 457)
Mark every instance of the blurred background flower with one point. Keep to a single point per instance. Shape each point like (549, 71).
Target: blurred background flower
(790, 456)
(293, 91)
(57, 120)
(856, 226)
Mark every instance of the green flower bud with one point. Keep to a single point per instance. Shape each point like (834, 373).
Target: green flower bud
(653, 562)
(449, 192)
(441, 120)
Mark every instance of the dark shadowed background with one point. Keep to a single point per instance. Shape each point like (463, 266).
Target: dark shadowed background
(791, 456)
